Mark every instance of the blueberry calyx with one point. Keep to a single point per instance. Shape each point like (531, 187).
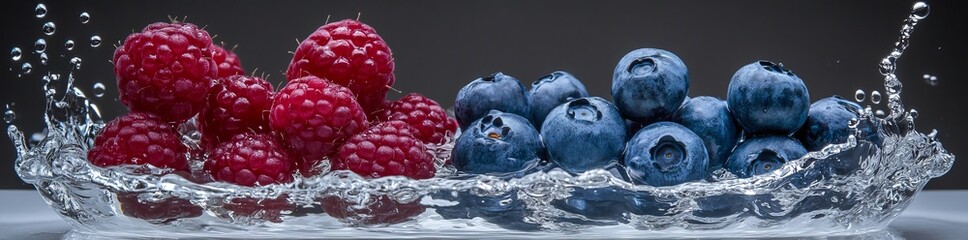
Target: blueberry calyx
(642, 66)
(766, 161)
(582, 109)
(667, 154)
(494, 128)
(777, 68)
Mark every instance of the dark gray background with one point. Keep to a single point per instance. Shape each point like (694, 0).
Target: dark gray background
(441, 45)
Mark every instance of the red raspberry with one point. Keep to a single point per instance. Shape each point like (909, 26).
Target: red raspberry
(139, 138)
(235, 105)
(380, 210)
(387, 149)
(423, 114)
(315, 116)
(163, 211)
(166, 69)
(228, 63)
(251, 159)
(351, 54)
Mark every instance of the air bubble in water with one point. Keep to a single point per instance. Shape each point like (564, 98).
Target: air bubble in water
(879, 113)
(26, 68)
(930, 79)
(76, 63)
(913, 113)
(85, 17)
(16, 53)
(49, 28)
(69, 45)
(860, 95)
(40, 10)
(876, 97)
(9, 116)
(98, 89)
(40, 45)
(920, 10)
(43, 58)
(95, 41)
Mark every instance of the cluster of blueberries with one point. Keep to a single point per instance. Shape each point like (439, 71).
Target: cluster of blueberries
(653, 131)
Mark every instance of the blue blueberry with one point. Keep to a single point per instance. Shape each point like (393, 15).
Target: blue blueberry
(495, 92)
(664, 154)
(709, 118)
(828, 123)
(606, 203)
(583, 134)
(506, 210)
(649, 84)
(498, 142)
(553, 90)
(763, 154)
(766, 98)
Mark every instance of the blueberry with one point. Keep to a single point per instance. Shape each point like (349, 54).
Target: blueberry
(584, 134)
(763, 154)
(495, 92)
(664, 154)
(553, 90)
(499, 142)
(709, 118)
(606, 203)
(766, 98)
(506, 210)
(649, 84)
(827, 123)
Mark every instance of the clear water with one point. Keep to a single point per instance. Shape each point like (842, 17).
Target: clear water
(853, 188)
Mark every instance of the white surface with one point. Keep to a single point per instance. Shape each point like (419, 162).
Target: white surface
(933, 215)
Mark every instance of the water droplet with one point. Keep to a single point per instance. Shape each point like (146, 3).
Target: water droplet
(930, 80)
(876, 97)
(76, 63)
(25, 69)
(920, 10)
(40, 10)
(43, 58)
(95, 41)
(9, 116)
(49, 28)
(853, 123)
(98, 89)
(860, 95)
(69, 45)
(16, 53)
(85, 17)
(913, 113)
(40, 45)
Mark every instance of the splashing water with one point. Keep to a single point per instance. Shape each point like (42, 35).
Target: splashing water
(856, 187)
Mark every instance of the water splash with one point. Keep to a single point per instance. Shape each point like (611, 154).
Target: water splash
(855, 187)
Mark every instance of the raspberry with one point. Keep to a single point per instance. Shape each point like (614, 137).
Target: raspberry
(315, 116)
(139, 138)
(166, 69)
(380, 210)
(235, 105)
(163, 211)
(351, 54)
(251, 159)
(227, 62)
(423, 114)
(386, 149)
